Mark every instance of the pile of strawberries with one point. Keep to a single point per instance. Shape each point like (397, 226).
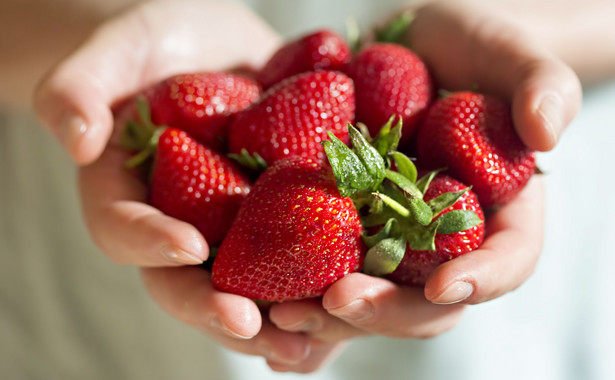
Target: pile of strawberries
(270, 168)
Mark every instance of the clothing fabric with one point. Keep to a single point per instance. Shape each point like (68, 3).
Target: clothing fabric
(66, 312)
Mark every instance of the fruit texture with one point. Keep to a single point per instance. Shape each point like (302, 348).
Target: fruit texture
(322, 49)
(293, 237)
(201, 104)
(294, 116)
(195, 184)
(473, 136)
(390, 80)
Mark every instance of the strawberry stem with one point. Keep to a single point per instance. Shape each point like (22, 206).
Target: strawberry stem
(395, 30)
(146, 152)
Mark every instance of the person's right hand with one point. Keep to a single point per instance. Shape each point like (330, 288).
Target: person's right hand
(76, 100)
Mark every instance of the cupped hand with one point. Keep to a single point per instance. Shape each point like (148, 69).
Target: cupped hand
(128, 53)
(466, 45)
(77, 101)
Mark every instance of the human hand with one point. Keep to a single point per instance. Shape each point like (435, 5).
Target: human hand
(76, 102)
(466, 44)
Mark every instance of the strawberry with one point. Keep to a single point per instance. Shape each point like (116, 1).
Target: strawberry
(473, 136)
(390, 80)
(188, 180)
(195, 184)
(293, 236)
(294, 116)
(322, 49)
(415, 224)
(202, 104)
(416, 265)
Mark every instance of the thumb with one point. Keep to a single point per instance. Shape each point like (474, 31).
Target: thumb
(74, 99)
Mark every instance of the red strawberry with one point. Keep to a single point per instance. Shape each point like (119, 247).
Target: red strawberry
(188, 181)
(473, 136)
(294, 116)
(293, 237)
(416, 265)
(323, 49)
(197, 185)
(390, 80)
(415, 224)
(202, 103)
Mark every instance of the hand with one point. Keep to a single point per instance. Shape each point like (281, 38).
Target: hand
(76, 102)
(466, 45)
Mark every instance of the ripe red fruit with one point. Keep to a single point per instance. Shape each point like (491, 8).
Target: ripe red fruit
(202, 104)
(294, 116)
(195, 184)
(323, 49)
(473, 136)
(293, 237)
(417, 265)
(390, 80)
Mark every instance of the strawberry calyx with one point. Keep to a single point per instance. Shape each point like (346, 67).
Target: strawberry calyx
(252, 162)
(384, 186)
(141, 136)
(395, 29)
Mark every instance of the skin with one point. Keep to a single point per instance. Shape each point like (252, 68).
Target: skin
(139, 47)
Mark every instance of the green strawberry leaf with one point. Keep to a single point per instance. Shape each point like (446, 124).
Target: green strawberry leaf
(147, 152)
(424, 182)
(388, 137)
(364, 131)
(393, 204)
(350, 175)
(420, 211)
(396, 28)
(423, 238)
(133, 136)
(457, 220)
(145, 114)
(371, 159)
(445, 200)
(404, 183)
(384, 233)
(253, 162)
(405, 166)
(353, 34)
(384, 257)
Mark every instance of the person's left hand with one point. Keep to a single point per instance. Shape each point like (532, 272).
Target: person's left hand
(545, 94)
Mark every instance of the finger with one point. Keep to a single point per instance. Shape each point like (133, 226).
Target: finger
(547, 98)
(321, 354)
(309, 317)
(127, 229)
(187, 294)
(137, 49)
(504, 261)
(493, 53)
(74, 100)
(379, 306)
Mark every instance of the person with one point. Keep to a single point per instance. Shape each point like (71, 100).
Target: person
(143, 45)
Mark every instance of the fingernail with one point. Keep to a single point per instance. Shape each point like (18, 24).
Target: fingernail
(221, 326)
(455, 293)
(274, 358)
(356, 310)
(73, 128)
(179, 256)
(550, 110)
(306, 325)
